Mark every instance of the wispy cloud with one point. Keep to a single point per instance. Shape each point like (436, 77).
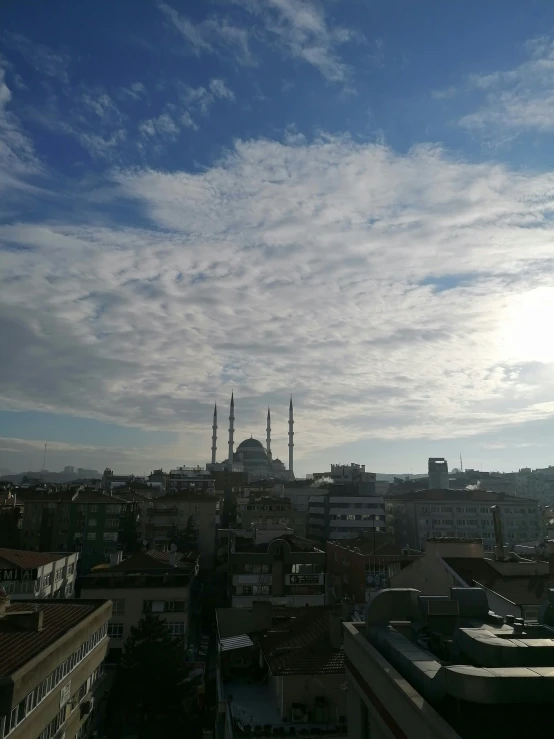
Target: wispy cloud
(163, 126)
(301, 30)
(42, 58)
(212, 35)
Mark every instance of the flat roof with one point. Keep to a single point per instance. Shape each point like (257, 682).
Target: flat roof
(22, 559)
(18, 645)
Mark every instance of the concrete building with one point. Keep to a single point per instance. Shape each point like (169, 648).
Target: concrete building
(146, 582)
(357, 568)
(512, 586)
(92, 523)
(281, 568)
(191, 479)
(37, 575)
(416, 516)
(446, 668)
(333, 516)
(280, 669)
(51, 667)
(168, 519)
(438, 473)
(354, 474)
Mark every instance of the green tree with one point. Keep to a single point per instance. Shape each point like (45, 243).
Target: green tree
(152, 690)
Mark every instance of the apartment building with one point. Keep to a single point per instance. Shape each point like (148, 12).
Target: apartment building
(333, 516)
(283, 569)
(145, 582)
(92, 523)
(446, 668)
(416, 516)
(194, 479)
(280, 672)
(36, 575)
(170, 519)
(51, 667)
(438, 473)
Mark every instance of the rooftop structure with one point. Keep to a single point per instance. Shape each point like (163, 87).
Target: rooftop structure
(446, 667)
(28, 575)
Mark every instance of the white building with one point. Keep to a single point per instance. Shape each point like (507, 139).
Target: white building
(30, 575)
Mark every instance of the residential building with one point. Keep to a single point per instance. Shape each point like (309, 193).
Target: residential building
(356, 568)
(172, 519)
(416, 516)
(51, 667)
(438, 473)
(262, 508)
(146, 582)
(38, 575)
(446, 668)
(280, 669)
(334, 516)
(193, 479)
(87, 521)
(512, 586)
(11, 519)
(280, 568)
(354, 474)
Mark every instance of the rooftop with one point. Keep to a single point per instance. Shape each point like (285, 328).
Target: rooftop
(22, 559)
(473, 669)
(18, 646)
(447, 495)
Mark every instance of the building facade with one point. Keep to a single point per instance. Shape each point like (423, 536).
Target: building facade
(51, 668)
(146, 582)
(332, 516)
(174, 519)
(37, 575)
(92, 523)
(438, 473)
(414, 517)
(285, 570)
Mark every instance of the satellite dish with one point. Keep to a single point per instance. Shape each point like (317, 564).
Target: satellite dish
(173, 548)
(145, 542)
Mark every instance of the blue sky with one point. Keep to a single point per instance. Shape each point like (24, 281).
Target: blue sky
(348, 201)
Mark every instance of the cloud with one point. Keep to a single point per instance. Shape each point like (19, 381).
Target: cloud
(136, 91)
(202, 98)
(213, 35)
(301, 30)
(517, 99)
(163, 127)
(305, 268)
(39, 56)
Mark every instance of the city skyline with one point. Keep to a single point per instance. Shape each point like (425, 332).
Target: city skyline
(345, 203)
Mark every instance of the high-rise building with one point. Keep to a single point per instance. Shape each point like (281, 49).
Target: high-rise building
(438, 473)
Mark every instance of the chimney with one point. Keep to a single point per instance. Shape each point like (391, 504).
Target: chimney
(116, 557)
(335, 631)
(497, 521)
(172, 559)
(262, 618)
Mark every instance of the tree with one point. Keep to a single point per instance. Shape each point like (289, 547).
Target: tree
(152, 689)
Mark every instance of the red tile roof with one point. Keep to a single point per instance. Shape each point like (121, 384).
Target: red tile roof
(28, 560)
(18, 646)
(302, 645)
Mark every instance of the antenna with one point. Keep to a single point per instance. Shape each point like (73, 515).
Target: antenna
(44, 458)
(461, 463)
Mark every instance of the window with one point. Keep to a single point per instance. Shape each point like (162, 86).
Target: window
(94, 509)
(91, 536)
(65, 694)
(118, 606)
(471, 510)
(46, 580)
(68, 590)
(58, 576)
(115, 630)
(113, 509)
(110, 536)
(260, 589)
(176, 628)
(70, 569)
(92, 523)
(112, 523)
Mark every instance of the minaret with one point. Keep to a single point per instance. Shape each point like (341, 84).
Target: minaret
(214, 434)
(231, 428)
(291, 439)
(268, 442)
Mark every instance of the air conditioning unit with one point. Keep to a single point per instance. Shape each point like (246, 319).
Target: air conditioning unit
(87, 706)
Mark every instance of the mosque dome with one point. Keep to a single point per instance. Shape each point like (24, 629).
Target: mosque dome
(252, 449)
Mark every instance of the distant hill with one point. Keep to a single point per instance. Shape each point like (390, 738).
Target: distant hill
(46, 476)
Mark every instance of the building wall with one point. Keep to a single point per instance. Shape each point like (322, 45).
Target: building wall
(128, 606)
(381, 704)
(38, 668)
(344, 516)
(54, 580)
(427, 574)
(289, 689)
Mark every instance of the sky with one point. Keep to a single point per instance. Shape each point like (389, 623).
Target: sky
(347, 201)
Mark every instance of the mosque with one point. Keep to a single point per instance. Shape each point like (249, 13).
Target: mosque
(250, 455)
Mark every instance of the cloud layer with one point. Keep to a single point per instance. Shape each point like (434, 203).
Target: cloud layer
(380, 289)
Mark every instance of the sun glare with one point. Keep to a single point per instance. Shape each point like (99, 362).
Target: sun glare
(527, 323)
